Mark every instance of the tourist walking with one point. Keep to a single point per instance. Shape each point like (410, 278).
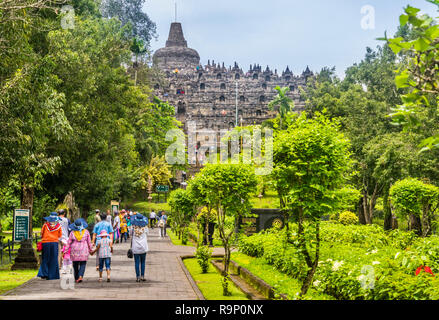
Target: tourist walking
(98, 228)
(109, 217)
(51, 232)
(116, 227)
(80, 247)
(162, 224)
(123, 229)
(128, 219)
(139, 244)
(97, 217)
(64, 222)
(104, 249)
(152, 219)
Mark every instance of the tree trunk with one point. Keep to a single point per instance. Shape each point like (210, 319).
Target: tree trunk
(27, 202)
(361, 217)
(314, 265)
(415, 224)
(206, 227)
(365, 208)
(226, 291)
(426, 220)
(388, 218)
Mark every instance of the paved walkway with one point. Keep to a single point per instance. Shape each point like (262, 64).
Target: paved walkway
(166, 279)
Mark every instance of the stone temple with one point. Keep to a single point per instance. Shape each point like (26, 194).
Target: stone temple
(215, 97)
(209, 94)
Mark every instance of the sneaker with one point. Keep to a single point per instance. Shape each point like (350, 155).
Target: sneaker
(108, 280)
(143, 279)
(138, 280)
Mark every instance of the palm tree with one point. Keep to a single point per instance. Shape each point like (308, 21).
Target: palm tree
(285, 103)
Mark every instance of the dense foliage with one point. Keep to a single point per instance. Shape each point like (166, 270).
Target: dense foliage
(357, 262)
(76, 121)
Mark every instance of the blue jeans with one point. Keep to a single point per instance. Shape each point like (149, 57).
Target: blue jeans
(107, 262)
(139, 262)
(79, 268)
(124, 236)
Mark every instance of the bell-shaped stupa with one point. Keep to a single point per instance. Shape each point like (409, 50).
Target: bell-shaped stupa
(176, 54)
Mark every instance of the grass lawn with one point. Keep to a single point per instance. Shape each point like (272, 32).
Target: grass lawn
(269, 201)
(10, 279)
(146, 207)
(210, 283)
(280, 281)
(176, 241)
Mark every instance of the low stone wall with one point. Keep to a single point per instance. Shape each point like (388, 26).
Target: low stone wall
(255, 282)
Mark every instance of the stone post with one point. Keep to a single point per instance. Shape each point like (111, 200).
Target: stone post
(26, 257)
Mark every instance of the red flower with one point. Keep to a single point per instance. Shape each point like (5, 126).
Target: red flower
(426, 269)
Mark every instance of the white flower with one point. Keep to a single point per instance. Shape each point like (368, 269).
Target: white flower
(316, 283)
(396, 255)
(374, 251)
(375, 262)
(361, 277)
(337, 265)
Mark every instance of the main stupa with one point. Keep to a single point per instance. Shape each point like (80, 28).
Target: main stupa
(176, 54)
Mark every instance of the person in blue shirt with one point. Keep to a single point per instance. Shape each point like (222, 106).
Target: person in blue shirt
(162, 223)
(98, 228)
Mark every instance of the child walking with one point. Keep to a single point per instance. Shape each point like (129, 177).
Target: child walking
(67, 265)
(105, 250)
(123, 229)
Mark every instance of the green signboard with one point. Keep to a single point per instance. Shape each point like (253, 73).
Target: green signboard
(21, 224)
(161, 188)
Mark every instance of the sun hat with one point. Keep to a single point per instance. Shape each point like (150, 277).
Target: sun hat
(76, 226)
(103, 234)
(53, 217)
(139, 220)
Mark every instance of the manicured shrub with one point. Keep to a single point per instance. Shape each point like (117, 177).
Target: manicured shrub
(348, 218)
(252, 246)
(203, 255)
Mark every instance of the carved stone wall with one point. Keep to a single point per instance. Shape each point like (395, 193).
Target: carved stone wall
(208, 94)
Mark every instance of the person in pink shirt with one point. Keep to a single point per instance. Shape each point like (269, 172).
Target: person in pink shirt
(80, 246)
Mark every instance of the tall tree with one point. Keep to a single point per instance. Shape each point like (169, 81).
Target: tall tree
(311, 162)
(227, 188)
(130, 12)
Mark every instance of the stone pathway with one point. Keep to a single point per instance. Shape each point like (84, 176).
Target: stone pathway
(166, 279)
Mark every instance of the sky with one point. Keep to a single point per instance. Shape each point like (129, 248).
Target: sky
(281, 33)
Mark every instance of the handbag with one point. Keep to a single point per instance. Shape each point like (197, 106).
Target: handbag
(39, 246)
(130, 251)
